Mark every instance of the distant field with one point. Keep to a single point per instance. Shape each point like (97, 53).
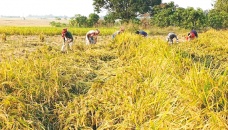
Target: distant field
(28, 22)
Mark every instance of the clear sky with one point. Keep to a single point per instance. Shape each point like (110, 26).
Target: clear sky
(46, 7)
(72, 7)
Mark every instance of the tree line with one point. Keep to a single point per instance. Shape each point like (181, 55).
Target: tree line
(154, 13)
(165, 15)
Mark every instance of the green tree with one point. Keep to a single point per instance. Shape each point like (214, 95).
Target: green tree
(217, 20)
(79, 20)
(169, 14)
(56, 24)
(93, 19)
(57, 18)
(72, 22)
(196, 18)
(177, 17)
(163, 14)
(126, 9)
(221, 5)
(109, 19)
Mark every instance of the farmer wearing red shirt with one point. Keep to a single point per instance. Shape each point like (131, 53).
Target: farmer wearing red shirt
(67, 40)
(192, 35)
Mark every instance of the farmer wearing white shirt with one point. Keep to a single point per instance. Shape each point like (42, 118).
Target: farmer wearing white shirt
(91, 36)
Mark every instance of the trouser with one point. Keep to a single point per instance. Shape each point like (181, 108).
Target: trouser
(66, 44)
(170, 40)
(91, 40)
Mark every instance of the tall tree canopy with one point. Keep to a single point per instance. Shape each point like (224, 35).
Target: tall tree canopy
(221, 5)
(93, 19)
(169, 14)
(126, 9)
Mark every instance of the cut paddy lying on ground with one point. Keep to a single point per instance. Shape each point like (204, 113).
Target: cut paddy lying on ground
(127, 83)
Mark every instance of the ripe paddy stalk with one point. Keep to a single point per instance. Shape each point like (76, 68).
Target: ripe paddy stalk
(3, 37)
(154, 86)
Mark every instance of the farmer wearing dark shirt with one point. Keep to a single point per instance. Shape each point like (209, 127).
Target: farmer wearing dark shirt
(67, 40)
(171, 36)
(141, 32)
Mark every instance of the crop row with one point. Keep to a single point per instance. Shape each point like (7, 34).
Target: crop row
(50, 31)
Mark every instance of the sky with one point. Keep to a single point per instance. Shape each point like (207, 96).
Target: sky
(69, 8)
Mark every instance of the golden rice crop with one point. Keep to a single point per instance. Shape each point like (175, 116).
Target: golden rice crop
(50, 31)
(129, 82)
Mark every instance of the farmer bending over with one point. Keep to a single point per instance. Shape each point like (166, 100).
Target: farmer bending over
(192, 35)
(121, 30)
(67, 40)
(142, 33)
(170, 37)
(91, 36)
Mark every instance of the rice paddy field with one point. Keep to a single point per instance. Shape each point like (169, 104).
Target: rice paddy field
(126, 83)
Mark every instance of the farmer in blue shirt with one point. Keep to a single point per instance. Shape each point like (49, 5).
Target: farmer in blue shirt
(141, 32)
